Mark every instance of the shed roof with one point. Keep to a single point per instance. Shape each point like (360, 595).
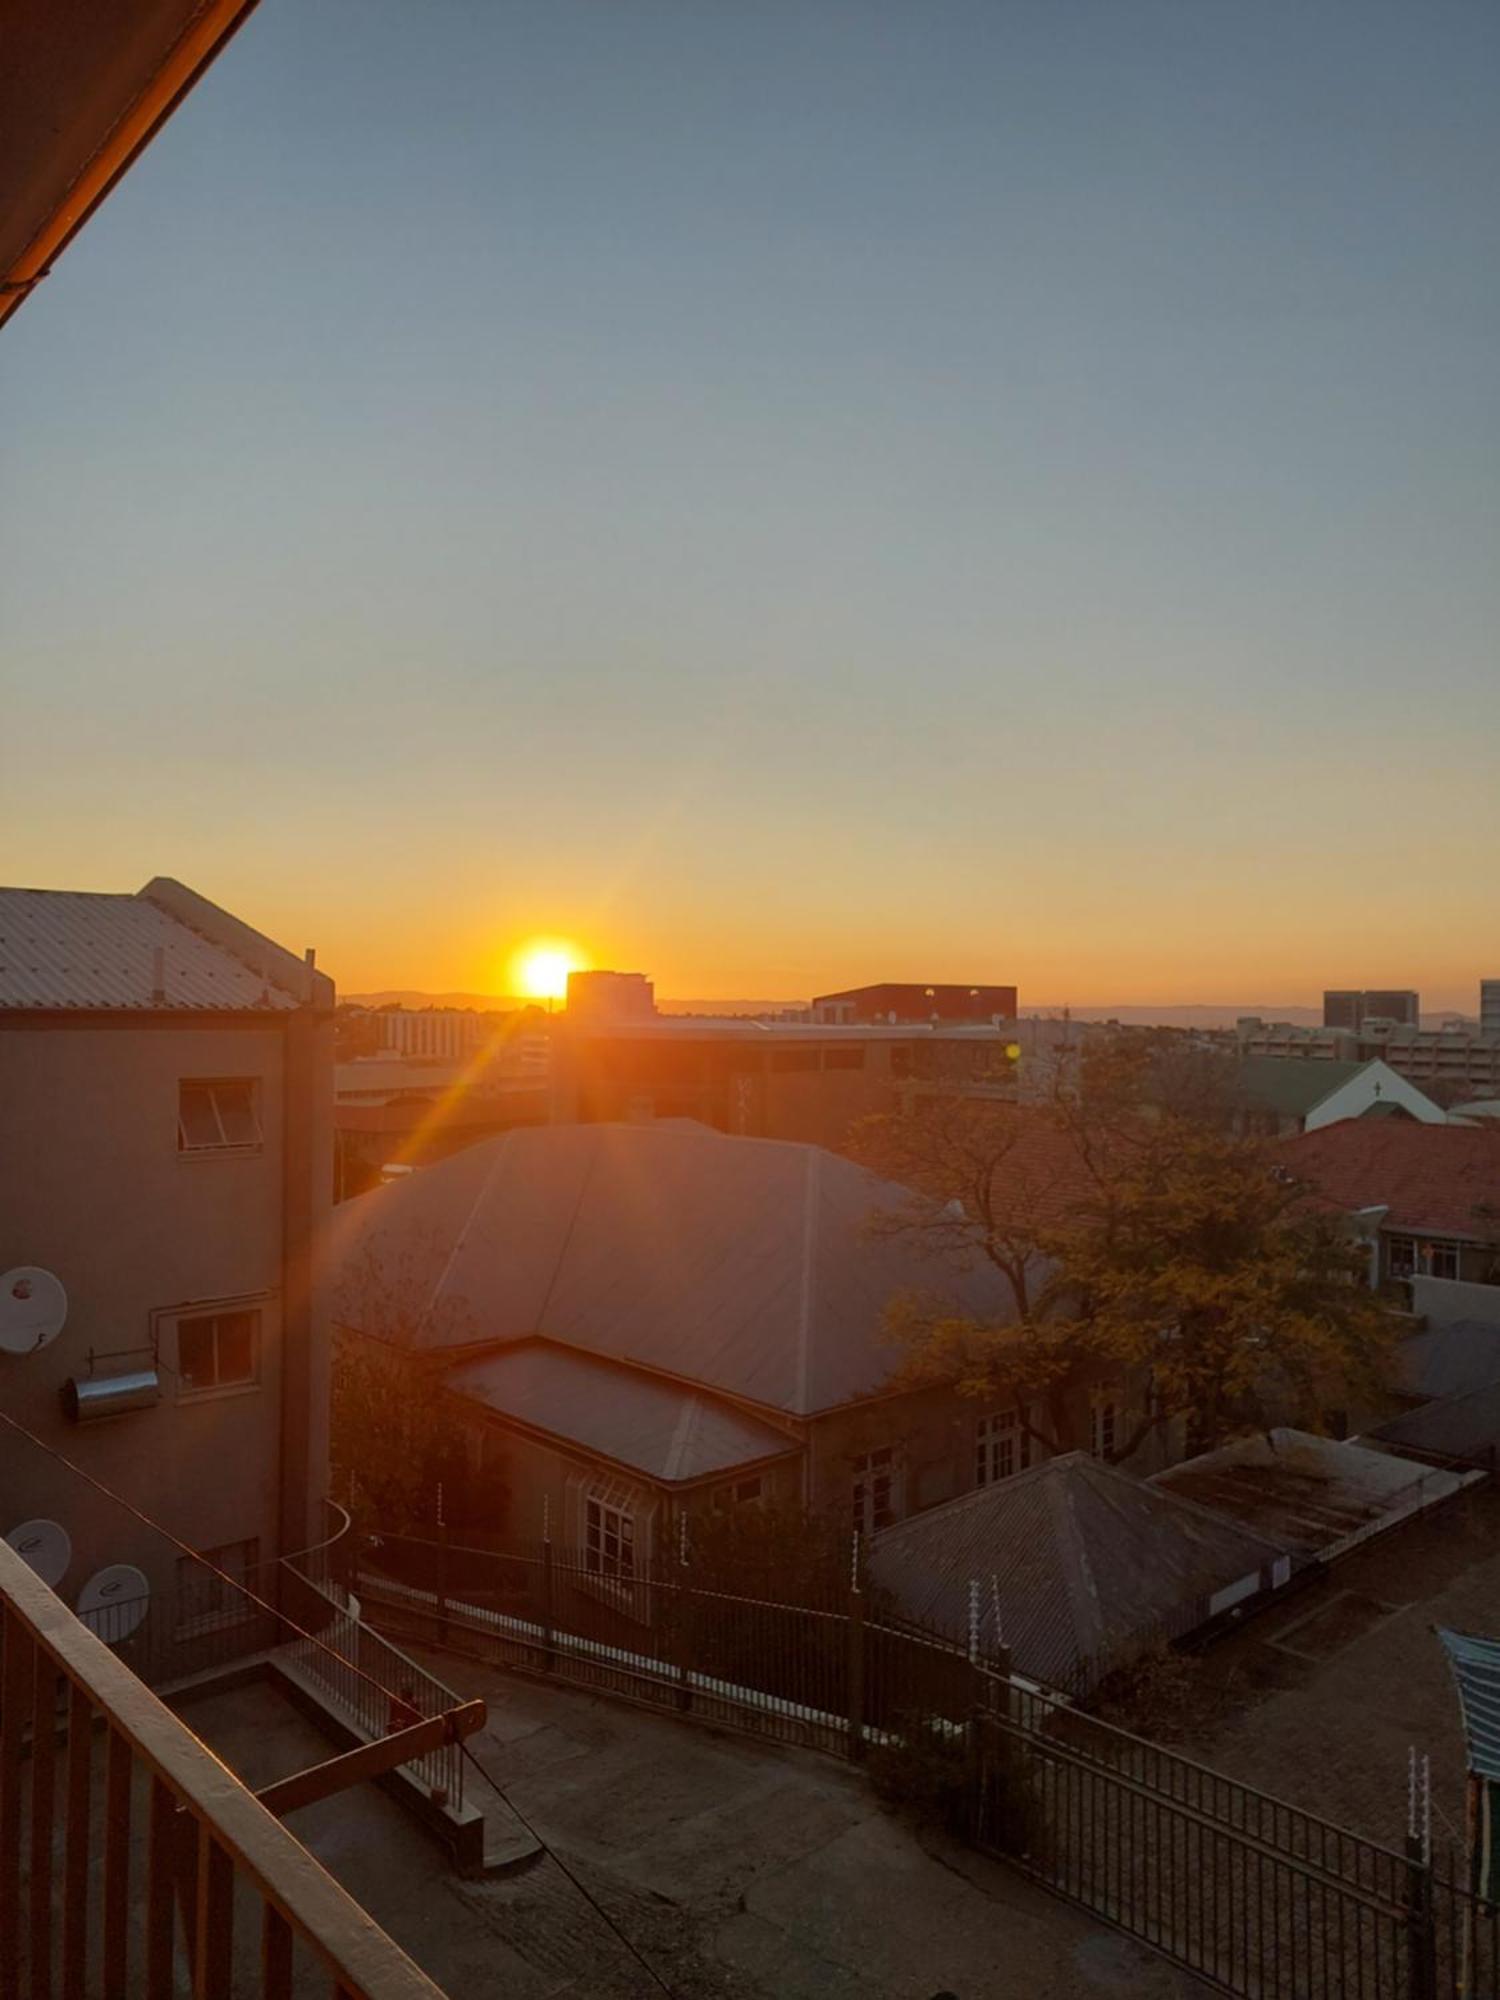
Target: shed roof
(1083, 1559)
(1309, 1493)
(1465, 1427)
(743, 1264)
(66, 948)
(660, 1428)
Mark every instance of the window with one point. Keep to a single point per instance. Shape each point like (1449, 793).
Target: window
(742, 1493)
(205, 1601)
(608, 1540)
(794, 1058)
(1001, 1448)
(216, 1115)
(877, 1491)
(1420, 1256)
(1102, 1429)
(843, 1058)
(217, 1351)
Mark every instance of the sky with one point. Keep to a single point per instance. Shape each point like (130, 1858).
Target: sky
(785, 496)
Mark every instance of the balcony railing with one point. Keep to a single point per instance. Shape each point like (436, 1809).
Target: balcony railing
(126, 1861)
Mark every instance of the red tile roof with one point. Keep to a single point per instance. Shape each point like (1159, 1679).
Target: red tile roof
(1432, 1178)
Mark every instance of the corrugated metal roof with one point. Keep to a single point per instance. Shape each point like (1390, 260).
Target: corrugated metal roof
(669, 1432)
(1081, 1560)
(1476, 1668)
(1451, 1360)
(744, 1264)
(1308, 1493)
(1464, 1427)
(69, 948)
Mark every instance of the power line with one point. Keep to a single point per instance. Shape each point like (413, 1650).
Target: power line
(224, 1576)
(213, 1569)
(552, 1855)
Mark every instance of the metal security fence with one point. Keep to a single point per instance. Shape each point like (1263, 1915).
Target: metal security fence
(827, 1676)
(1255, 1896)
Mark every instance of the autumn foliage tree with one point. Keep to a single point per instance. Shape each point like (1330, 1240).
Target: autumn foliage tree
(1138, 1243)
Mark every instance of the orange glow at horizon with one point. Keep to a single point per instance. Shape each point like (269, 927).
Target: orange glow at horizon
(539, 968)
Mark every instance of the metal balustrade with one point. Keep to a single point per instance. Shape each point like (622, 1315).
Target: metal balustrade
(132, 1860)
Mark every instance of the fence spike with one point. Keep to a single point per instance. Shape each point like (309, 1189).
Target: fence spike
(973, 1617)
(682, 1555)
(546, 1517)
(995, 1606)
(854, 1563)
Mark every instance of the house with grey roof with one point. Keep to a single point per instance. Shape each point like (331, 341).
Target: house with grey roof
(166, 1170)
(1073, 1568)
(640, 1321)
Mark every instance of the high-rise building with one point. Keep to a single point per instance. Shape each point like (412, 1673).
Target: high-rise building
(611, 996)
(1346, 1008)
(1489, 1007)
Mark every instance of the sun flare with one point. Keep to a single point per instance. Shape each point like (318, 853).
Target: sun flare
(540, 968)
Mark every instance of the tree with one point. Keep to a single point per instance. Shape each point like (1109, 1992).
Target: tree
(396, 1436)
(1135, 1240)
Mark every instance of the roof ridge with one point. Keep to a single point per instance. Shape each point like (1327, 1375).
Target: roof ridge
(1078, 1571)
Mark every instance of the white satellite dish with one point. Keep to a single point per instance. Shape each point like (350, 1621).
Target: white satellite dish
(33, 1306)
(113, 1601)
(45, 1546)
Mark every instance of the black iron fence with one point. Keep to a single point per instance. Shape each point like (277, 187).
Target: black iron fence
(1257, 1897)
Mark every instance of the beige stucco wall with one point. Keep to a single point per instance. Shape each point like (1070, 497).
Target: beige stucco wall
(93, 1188)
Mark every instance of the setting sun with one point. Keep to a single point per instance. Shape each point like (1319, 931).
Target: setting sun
(540, 968)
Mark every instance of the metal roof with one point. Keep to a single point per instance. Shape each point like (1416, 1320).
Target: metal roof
(670, 1433)
(1291, 1088)
(1451, 1360)
(1079, 1560)
(1463, 1427)
(1311, 1494)
(64, 948)
(1476, 1668)
(745, 1264)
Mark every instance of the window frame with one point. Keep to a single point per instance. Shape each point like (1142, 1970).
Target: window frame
(1104, 1428)
(874, 1469)
(595, 1541)
(1000, 1430)
(222, 1147)
(238, 1385)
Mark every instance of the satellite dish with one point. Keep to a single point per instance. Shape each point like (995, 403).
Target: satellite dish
(45, 1546)
(33, 1306)
(113, 1601)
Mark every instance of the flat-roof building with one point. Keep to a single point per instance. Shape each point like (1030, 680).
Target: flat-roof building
(894, 1002)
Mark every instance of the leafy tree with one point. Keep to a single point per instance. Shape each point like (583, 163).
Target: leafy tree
(1135, 1241)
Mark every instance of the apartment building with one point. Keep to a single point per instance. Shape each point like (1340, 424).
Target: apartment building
(1351, 1008)
(1452, 1063)
(166, 1075)
(766, 1079)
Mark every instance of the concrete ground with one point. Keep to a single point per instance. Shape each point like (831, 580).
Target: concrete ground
(1320, 1699)
(735, 1869)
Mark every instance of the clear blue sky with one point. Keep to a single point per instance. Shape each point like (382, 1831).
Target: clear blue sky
(786, 494)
